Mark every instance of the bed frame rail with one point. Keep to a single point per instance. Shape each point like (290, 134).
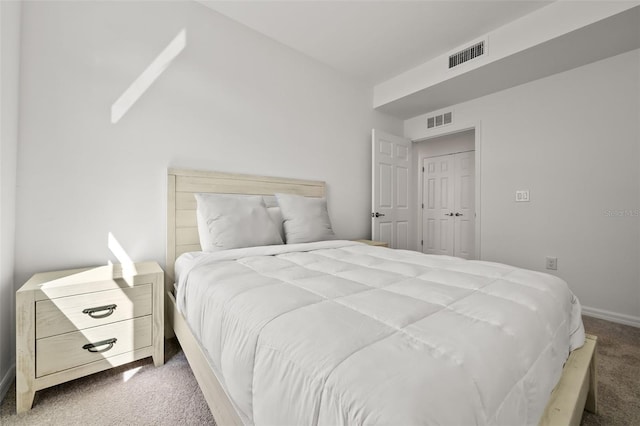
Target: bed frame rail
(577, 390)
(224, 412)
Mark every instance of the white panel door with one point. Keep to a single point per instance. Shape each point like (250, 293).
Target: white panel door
(464, 205)
(448, 209)
(438, 205)
(390, 189)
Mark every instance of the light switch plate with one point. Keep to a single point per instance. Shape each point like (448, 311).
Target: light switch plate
(522, 196)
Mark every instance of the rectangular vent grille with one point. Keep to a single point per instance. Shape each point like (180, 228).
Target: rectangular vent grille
(439, 120)
(466, 54)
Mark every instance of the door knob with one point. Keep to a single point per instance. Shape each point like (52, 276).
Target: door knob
(376, 214)
(448, 214)
(458, 214)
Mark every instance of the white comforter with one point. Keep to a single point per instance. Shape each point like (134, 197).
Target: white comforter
(344, 333)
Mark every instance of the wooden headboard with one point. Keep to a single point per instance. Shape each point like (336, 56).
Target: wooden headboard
(182, 227)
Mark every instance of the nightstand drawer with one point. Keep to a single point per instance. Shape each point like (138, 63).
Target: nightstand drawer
(70, 350)
(67, 314)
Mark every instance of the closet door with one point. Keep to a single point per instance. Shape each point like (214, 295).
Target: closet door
(438, 205)
(464, 206)
(448, 208)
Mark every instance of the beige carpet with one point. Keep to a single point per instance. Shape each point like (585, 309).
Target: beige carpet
(618, 374)
(140, 394)
(168, 395)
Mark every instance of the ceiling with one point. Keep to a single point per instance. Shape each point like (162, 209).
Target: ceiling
(374, 40)
(605, 38)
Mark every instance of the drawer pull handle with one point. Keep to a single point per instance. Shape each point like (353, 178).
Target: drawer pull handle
(91, 347)
(92, 311)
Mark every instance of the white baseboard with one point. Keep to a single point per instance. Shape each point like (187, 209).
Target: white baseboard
(611, 316)
(7, 381)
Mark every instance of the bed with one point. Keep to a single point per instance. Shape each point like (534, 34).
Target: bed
(364, 362)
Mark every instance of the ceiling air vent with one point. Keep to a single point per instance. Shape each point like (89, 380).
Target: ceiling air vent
(439, 120)
(467, 54)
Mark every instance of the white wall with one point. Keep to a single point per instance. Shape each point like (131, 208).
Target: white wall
(232, 101)
(573, 140)
(443, 145)
(9, 71)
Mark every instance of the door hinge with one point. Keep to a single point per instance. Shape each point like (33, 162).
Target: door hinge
(421, 242)
(422, 169)
(423, 205)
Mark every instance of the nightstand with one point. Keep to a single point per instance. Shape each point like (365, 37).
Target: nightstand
(73, 323)
(374, 243)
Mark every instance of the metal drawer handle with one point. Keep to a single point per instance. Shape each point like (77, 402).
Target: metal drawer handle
(92, 311)
(91, 347)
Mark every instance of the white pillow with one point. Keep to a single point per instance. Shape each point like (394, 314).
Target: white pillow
(306, 219)
(227, 221)
(276, 216)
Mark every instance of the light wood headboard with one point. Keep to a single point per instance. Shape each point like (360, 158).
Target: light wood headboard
(182, 227)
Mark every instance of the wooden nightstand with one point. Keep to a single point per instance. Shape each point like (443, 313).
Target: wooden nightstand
(374, 243)
(73, 323)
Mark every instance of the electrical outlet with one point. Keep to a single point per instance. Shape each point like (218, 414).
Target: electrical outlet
(522, 196)
(552, 263)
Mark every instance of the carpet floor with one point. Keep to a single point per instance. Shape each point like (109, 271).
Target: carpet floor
(133, 394)
(618, 374)
(140, 394)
